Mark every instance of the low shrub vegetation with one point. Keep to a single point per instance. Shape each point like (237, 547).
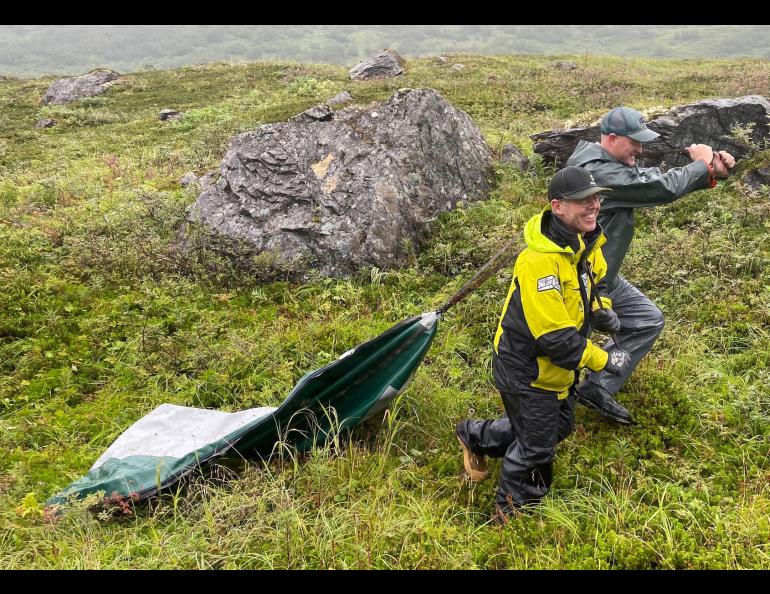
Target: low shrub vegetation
(103, 318)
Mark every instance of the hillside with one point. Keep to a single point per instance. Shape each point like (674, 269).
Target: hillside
(35, 50)
(101, 320)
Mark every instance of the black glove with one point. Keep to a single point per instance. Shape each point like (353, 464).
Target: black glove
(605, 320)
(617, 362)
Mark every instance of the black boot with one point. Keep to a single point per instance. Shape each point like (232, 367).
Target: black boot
(597, 399)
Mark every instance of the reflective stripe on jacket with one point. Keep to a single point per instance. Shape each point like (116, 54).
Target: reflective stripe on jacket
(541, 337)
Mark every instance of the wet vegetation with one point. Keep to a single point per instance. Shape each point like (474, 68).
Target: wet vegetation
(102, 319)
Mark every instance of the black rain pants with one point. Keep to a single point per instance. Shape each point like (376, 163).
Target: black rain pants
(526, 438)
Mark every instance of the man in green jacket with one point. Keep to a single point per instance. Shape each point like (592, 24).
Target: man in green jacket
(612, 161)
(542, 342)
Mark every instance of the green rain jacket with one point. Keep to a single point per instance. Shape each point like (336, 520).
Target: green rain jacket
(632, 187)
(541, 337)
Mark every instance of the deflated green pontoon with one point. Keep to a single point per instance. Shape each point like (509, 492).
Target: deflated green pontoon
(172, 441)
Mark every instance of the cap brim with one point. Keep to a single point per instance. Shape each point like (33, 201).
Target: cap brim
(586, 193)
(645, 135)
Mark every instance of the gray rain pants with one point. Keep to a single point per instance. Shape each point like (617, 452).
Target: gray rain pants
(641, 322)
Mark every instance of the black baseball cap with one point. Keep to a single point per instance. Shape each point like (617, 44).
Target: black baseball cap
(625, 121)
(573, 183)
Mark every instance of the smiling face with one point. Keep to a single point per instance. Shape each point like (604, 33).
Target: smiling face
(623, 148)
(578, 215)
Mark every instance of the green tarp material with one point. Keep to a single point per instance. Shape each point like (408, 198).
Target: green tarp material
(172, 441)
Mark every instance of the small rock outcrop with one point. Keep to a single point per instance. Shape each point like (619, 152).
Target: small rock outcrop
(188, 179)
(45, 123)
(351, 192)
(66, 90)
(513, 156)
(319, 113)
(758, 178)
(556, 146)
(567, 66)
(385, 64)
(169, 114)
(340, 98)
(734, 125)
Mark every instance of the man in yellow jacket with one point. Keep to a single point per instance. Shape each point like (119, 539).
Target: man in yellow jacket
(542, 342)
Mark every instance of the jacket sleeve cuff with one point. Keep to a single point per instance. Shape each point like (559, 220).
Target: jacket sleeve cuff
(712, 181)
(606, 303)
(593, 357)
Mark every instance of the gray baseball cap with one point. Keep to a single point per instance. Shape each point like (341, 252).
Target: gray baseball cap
(625, 121)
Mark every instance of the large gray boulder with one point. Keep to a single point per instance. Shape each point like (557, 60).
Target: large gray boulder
(341, 194)
(65, 90)
(738, 126)
(385, 64)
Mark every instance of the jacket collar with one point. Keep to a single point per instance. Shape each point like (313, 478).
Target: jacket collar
(589, 152)
(546, 233)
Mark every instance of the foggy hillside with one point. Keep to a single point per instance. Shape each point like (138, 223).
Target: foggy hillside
(31, 50)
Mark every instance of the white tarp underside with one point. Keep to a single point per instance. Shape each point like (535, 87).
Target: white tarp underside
(176, 431)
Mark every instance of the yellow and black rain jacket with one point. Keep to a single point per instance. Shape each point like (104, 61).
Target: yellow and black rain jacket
(541, 340)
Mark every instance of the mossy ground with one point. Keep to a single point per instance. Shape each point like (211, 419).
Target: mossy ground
(101, 320)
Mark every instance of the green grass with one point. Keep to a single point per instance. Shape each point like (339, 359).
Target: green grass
(102, 320)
